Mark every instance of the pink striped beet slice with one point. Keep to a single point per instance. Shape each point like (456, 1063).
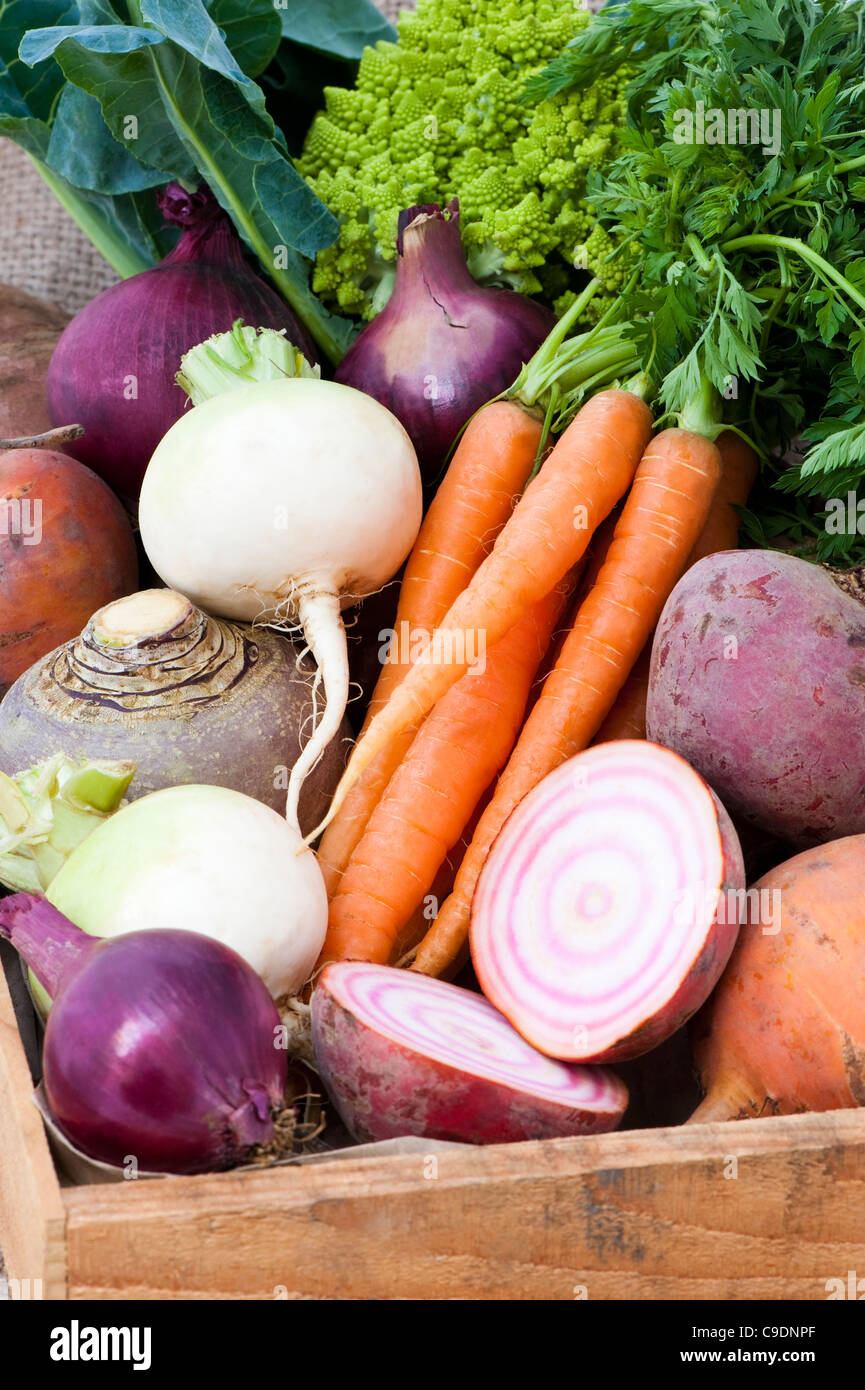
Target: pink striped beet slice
(402, 1054)
(609, 904)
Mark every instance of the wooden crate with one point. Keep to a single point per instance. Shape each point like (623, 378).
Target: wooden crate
(760, 1209)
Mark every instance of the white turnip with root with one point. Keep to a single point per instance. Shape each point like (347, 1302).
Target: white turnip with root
(281, 501)
(609, 904)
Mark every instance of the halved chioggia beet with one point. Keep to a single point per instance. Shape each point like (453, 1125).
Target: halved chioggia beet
(609, 904)
(404, 1054)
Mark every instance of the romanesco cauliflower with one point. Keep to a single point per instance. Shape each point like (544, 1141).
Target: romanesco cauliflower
(439, 115)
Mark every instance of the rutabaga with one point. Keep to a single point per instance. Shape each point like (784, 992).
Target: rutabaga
(186, 697)
(281, 501)
(203, 859)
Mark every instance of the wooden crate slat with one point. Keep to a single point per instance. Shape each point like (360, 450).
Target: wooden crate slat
(32, 1214)
(646, 1214)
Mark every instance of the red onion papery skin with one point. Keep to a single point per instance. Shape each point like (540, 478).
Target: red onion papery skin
(160, 1044)
(443, 345)
(114, 366)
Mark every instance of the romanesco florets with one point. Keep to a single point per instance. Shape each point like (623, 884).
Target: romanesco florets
(439, 115)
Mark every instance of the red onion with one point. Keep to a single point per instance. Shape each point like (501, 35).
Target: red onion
(160, 1044)
(113, 369)
(443, 346)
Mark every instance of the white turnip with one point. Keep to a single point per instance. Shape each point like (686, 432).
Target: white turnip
(203, 859)
(283, 502)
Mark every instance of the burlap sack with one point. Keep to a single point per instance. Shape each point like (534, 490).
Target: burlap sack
(41, 248)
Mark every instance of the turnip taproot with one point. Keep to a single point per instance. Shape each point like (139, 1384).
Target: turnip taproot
(758, 679)
(402, 1053)
(282, 501)
(785, 1029)
(609, 904)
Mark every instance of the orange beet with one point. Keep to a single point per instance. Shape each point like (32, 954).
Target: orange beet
(66, 548)
(784, 1030)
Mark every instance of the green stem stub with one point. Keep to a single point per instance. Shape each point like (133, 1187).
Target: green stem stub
(702, 414)
(237, 358)
(48, 810)
(540, 373)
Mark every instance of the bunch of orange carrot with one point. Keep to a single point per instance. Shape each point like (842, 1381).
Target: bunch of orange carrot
(448, 749)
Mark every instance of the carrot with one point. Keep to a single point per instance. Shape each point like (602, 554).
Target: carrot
(480, 489)
(589, 469)
(738, 474)
(597, 553)
(660, 522)
(462, 745)
(484, 480)
(418, 924)
(627, 718)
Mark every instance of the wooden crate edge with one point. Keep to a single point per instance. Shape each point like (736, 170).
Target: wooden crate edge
(62, 1235)
(32, 1213)
(629, 1216)
(621, 1151)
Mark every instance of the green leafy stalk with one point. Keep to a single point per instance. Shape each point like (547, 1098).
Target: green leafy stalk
(284, 266)
(244, 355)
(96, 226)
(748, 309)
(115, 97)
(818, 263)
(703, 413)
(567, 367)
(48, 810)
(541, 371)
